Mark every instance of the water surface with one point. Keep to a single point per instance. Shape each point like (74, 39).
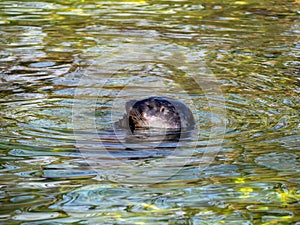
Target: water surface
(68, 67)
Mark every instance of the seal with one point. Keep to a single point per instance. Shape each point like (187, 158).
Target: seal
(156, 112)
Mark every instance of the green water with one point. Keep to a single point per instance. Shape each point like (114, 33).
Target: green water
(68, 67)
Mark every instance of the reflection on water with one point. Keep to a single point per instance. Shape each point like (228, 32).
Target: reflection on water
(67, 69)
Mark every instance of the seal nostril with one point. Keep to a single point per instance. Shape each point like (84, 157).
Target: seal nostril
(131, 123)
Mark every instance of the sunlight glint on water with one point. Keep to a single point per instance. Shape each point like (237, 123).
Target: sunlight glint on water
(48, 50)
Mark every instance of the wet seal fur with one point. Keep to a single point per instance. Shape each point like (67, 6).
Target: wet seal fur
(156, 113)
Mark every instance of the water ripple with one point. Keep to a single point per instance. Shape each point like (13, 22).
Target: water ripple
(49, 51)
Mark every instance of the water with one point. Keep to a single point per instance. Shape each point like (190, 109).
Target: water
(67, 69)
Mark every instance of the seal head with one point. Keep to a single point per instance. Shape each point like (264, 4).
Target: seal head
(157, 112)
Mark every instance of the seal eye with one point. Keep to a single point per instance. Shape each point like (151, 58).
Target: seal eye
(162, 109)
(150, 106)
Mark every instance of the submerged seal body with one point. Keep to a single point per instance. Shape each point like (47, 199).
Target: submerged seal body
(157, 112)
